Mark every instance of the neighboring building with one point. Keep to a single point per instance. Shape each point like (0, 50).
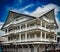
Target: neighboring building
(24, 33)
(1, 40)
(58, 40)
(58, 37)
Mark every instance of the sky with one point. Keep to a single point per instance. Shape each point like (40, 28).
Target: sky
(29, 7)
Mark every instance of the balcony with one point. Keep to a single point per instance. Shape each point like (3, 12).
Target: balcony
(36, 27)
(28, 40)
(31, 36)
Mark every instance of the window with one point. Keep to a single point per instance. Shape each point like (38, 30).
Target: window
(5, 30)
(28, 36)
(43, 24)
(38, 34)
(51, 36)
(10, 38)
(47, 35)
(32, 24)
(22, 26)
(18, 27)
(43, 34)
(31, 35)
(22, 36)
(13, 37)
(32, 49)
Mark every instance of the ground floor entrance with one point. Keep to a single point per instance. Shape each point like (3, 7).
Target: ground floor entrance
(27, 48)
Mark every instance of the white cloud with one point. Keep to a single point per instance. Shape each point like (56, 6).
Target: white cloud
(58, 23)
(41, 10)
(1, 23)
(23, 9)
(1, 32)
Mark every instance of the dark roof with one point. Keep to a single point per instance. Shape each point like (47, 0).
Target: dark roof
(19, 14)
(15, 15)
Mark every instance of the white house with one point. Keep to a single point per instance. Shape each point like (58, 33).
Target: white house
(24, 33)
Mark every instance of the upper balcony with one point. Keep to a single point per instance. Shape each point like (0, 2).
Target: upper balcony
(31, 36)
(30, 25)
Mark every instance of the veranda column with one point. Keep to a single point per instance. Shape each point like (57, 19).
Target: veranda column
(35, 48)
(45, 25)
(41, 35)
(29, 48)
(45, 35)
(26, 36)
(20, 27)
(35, 36)
(41, 23)
(23, 50)
(7, 30)
(26, 25)
(20, 36)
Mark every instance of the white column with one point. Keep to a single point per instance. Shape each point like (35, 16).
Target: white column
(41, 35)
(35, 35)
(41, 23)
(20, 36)
(7, 38)
(26, 25)
(7, 30)
(22, 48)
(36, 48)
(29, 48)
(25, 35)
(45, 25)
(20, 27)
(45, 35)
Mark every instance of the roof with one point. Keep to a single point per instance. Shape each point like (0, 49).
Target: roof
(10, 16)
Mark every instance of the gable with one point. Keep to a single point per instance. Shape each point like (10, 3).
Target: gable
(13, 15)
(50, 17)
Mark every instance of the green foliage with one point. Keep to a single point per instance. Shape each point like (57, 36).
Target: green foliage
(58, 33)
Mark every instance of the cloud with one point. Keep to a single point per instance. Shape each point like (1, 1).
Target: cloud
(23, 9)
(37, 12)
(40, 10)
(1, 23)
(58, 23)
(1, 32)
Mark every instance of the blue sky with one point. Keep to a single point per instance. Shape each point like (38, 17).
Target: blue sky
(27, 7)
(6, 5)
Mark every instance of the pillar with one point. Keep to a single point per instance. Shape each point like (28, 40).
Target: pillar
(45, 35)
(26, 25)
(7, 30)
(20, 36)
(20, 27)
(29, 48)
(45, 25)
(41, 35)
(41, 23)
(22, 48)
(26, 36)
(35, 35)
(36, 48)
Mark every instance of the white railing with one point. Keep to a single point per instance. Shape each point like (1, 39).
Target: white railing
(29, 39)
(43, 28)
(36, 39)
(29, 28)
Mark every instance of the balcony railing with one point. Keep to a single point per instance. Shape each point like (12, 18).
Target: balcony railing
(29, 28)
(27, 40)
